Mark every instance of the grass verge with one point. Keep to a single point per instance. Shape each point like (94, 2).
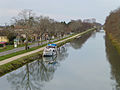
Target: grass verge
(114, 42)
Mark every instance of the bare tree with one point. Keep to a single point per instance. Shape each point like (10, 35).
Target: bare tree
(42, 26)
(25, 20)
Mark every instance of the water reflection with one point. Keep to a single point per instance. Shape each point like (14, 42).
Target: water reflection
(34, 75)
(78, 42)
(114, 60)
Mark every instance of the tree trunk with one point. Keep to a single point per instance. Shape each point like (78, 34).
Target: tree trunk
(41, 40)
(38, 41)
(26, 43)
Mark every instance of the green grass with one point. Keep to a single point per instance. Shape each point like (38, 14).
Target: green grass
(10, 47)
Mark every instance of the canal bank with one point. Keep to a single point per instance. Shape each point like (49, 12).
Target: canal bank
(13, 63)
(84, 60)
(114, 42)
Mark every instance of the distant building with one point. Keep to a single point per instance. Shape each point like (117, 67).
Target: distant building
(4, 39)
(92, 20)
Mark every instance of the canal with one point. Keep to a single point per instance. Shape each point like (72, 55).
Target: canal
(86, 63)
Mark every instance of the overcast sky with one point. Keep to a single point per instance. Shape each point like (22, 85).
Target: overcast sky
(61, 10)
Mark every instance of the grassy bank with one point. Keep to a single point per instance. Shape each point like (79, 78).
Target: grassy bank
(10, 47)
(19, 63)
(24, 60)
(114, 42)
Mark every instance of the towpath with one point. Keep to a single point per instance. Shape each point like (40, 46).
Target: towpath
(38, 50)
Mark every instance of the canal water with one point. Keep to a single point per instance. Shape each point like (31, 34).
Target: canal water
(87, 63)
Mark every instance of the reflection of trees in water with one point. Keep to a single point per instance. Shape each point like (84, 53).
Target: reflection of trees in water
(77, 43)
(27, 78)
(62, 54)
(114, 60)
(34, 75)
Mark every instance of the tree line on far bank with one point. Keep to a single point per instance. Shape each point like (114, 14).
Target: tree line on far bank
(26, 23)
(112, 25)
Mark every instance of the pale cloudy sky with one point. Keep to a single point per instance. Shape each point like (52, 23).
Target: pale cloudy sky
(61, 10)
